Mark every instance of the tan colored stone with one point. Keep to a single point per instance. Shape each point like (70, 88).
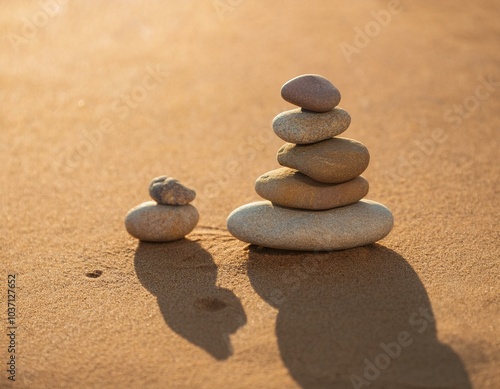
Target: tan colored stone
(152, 222)
(312, 92)
(331, 161)
(304, 127)
(290, 188)
(264, 224)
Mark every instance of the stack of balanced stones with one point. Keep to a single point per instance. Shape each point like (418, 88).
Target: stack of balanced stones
(315, 201)
(169, 217)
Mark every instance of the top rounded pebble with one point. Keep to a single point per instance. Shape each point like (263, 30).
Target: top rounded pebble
(312, 92)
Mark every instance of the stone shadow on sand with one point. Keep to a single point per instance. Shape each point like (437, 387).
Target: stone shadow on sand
(182, 275)
(353, 319)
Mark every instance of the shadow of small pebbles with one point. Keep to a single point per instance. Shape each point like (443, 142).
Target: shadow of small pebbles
(182, 275)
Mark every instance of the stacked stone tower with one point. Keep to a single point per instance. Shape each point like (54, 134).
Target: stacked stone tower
(314, 202)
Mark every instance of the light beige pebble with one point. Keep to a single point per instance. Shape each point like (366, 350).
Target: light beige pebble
(152, 222)
(312, 92)
(331, 161)
(264, 224)
(290, 188)
(168, 191)
(304, 127)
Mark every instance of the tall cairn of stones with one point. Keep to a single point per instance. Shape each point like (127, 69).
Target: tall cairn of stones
(315, 202)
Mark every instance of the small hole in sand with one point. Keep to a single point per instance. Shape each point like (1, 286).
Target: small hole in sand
(94, 274)
(210, 304)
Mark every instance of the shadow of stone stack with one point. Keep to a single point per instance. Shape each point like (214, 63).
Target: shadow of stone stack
(315, 202)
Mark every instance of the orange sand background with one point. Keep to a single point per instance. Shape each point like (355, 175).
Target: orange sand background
(209, 311)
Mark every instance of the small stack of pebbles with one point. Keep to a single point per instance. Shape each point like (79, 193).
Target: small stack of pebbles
(169, 217)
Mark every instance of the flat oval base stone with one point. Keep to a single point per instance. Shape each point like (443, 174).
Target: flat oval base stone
(265, 224)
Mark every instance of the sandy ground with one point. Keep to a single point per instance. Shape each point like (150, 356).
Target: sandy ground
(99, 97)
